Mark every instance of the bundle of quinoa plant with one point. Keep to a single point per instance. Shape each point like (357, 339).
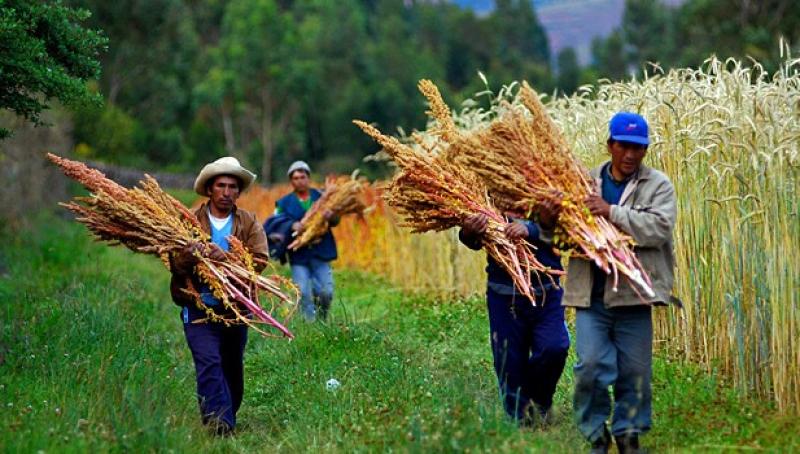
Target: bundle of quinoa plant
(433, 192)
(343, 195)
(147, 220)
(523, 159)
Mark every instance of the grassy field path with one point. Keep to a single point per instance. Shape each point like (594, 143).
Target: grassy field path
(92, 358)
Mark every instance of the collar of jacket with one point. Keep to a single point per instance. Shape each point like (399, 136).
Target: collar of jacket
(201, 213)
(644, 173)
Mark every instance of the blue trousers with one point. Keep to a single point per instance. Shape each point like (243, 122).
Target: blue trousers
(315, 281)
(529, 345)
(615, 348)
(218, 354)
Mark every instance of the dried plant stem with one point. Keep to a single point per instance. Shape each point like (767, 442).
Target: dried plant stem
(147, 220)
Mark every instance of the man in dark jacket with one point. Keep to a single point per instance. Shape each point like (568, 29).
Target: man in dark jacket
(311, 269)
(529, 343)
(217, 350)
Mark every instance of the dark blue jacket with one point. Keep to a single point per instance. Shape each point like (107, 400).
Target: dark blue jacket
(499, 278)
(280, 224)
(325, 250)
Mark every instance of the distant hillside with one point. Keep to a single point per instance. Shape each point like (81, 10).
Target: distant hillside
(571, 23)
(575, 23)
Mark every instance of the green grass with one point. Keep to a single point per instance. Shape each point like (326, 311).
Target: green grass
(185, 196)
(92, 358)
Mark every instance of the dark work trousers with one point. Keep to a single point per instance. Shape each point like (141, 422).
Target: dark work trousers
(530, 345)
(218, 353)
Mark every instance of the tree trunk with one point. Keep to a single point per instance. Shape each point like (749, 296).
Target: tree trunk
(267, 138)
(227, 128)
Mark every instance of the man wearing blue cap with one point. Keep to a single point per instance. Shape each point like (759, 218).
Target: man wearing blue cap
(614, 329)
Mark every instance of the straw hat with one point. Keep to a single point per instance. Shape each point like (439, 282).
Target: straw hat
(223, 166)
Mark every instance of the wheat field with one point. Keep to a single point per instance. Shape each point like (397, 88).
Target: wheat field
(727, 134)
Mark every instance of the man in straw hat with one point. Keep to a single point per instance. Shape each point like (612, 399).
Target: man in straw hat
(311, 269)
(217, 350)
(613, 327)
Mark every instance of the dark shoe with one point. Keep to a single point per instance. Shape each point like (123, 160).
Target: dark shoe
(547, 417)
(323, 308)
(628, 444)
(543, 414)
(218, 427)
(601, 445)
(536, 416)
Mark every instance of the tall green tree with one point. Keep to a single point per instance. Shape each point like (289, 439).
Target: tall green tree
(648, 29)
(521, 49)
(149, 68)
(688, 34)
(609, 57)
(46, 52)
(569, 72)
(252, 78)
(331, 81)
(737, 28)
(398, 59)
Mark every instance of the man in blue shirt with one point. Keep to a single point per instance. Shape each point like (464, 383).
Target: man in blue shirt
(529, 343)
(217, 349)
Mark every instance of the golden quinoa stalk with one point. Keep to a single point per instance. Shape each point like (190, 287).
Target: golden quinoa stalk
(146, 219)
(432, 193)
(343, 195)
(523, 158)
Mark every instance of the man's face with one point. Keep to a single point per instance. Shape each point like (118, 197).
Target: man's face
(299, 180)
(626, 157)
(223, 192)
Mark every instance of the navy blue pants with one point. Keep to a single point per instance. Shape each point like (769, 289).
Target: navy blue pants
(218, 353)
(530, 345)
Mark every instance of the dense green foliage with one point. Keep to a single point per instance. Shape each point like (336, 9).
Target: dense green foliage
(271, 81)
(46, 53)
(92, 358)
(684, 36)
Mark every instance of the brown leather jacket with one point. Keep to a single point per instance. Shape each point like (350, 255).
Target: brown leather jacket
(246, 228)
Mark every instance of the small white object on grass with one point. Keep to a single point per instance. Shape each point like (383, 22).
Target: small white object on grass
(332, 384)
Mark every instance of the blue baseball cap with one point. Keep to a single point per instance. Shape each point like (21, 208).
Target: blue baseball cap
(629, 127)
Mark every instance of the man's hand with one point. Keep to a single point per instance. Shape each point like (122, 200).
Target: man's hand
(214, 252)
(185, 260)
(516, 231)
(297, 227)
(210, 250)
(475, 225)
(597, 206)
(549, 210)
